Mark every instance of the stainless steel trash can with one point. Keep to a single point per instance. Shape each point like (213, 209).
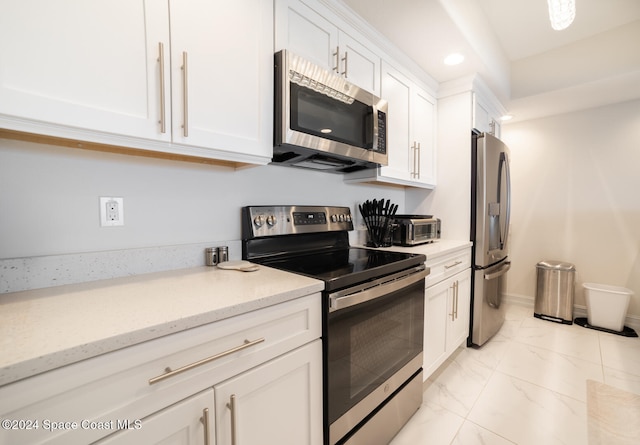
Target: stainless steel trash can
(555, 287)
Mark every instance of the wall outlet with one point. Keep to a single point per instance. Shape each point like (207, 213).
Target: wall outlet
(111, 211)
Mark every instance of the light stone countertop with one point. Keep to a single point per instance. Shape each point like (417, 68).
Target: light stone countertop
(48, 328)
(433, 250)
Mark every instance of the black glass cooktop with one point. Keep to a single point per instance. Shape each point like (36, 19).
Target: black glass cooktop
(346, 267)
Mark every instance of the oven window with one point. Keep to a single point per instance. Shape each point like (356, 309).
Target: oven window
(320, 115)
(368, 343)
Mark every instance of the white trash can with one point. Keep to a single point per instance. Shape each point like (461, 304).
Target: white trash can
(606, 305)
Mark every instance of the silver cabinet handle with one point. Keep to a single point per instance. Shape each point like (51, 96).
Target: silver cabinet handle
(418, 162)
(456, 288)
(170, 373)
(452, 265)
(185, 94)
(205, 421)
(162, 122)
(414, 147)
(337, 56)
(345, 59)
(232, 406)
(454, 301)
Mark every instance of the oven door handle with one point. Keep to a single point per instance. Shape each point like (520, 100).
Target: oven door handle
(376, 288)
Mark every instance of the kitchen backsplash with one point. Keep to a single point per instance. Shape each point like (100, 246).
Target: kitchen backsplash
(55, 270)
(50, 232)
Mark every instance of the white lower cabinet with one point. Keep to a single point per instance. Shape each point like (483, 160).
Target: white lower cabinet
(446, 312)
(188, 422)
(158, 391)
(279, 402)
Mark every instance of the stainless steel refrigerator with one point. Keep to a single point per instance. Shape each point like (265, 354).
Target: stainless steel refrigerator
(490, 211)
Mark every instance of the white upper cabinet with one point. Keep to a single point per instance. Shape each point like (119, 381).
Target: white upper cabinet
(484, 118)
(222, 74)
(312, 33)
(396, 90)
(188, 77)
(89, 65)
(411, 124)
(423, 125)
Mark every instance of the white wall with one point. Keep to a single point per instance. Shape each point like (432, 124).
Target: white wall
(451, 199)
(49, 199)
(576, 197)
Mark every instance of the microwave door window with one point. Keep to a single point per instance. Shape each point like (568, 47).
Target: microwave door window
(320, 115)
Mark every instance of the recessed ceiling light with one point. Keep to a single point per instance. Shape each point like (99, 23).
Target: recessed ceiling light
(326, 130)
(506, 117)
(454, 59)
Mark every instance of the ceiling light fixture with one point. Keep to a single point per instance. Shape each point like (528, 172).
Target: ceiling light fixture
(454, 59)
(561, 13)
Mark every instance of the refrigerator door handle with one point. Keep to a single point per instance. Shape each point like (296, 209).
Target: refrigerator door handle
(503, 270)
(504, 164)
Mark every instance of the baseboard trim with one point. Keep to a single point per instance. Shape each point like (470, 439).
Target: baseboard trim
(632, 321)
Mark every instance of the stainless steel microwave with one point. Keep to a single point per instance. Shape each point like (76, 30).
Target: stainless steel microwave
(411, 230)
(324, 122)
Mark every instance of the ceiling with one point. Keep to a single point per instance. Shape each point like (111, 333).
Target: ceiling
(533, 70)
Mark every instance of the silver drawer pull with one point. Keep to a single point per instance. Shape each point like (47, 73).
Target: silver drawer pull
(205, 421)
(170, 373)
(452, 265)
(232, 407)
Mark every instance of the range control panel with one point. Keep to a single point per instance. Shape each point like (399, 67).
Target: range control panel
(261, 221)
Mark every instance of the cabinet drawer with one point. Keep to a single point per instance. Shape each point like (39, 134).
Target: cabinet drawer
(117, 385)
(447, 265)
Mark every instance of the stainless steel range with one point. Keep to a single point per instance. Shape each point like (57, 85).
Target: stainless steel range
(373, 316)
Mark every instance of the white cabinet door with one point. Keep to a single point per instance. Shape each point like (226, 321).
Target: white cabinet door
(446, 318)
(279, 402)
(435, 326)
(483, 119)
(310, 32)
(460, 294)
(83, 65)
(188, 422)
(411, 139)
(359, 64)
(222, 74)
(306, 33)
(396, 90)
(423, 126)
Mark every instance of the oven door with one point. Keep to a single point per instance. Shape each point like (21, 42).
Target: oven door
(373, 345)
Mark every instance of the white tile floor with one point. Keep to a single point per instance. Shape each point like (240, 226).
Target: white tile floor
(525, 386)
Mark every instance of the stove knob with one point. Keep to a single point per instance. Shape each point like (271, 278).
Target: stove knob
(348, 217)
(341, 218)
(271, 220)
(258, 221)
(334, 218)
